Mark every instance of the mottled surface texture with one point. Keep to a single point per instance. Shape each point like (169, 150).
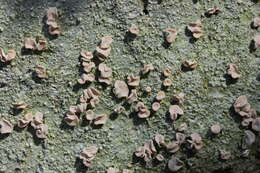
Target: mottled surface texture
(209, 94)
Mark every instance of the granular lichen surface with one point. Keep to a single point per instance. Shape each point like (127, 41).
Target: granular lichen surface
(209, 94)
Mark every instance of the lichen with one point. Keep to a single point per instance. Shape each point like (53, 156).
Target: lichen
(209, 95)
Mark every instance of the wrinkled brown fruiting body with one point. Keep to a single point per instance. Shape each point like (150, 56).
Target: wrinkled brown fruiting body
(23, 123)
(179, 99)
(249, 137)
(41, 72)
(112, 170)
(257, 41)
(36, 121)
(148, 89)
(39, 44)
(72, 120)
(106, 41)
(107, 81)
(225, 155)
(173, 147)
(170, 35)
(156, 106)
(133, 80)
(88, 66)
(214, 10)
(167, 72)
(241, 105)
(159, 157)
(215, 129)
(89, 115)
(243, 108)
(102, 54)
(41, 131)
(144, 113)
(104, 48)
(195, 141)
(30, 44)
(183, 127)
(88, 155)
(174, 111)
(127, 171)
(105, 71)
(246, 122)
(11, 54)
(132, 97)
(100, 119)
(147, 151)
(167, 82)
(52, 21)
(6, 127)
(96, 119)
(256, 125)
(81, 107)
(26, 121)
(196, 29)
(28, 116)
(89, 99)
(142, 110)
(160, 95)
(175, 164)
(233, 71)
(52, 14)
(20, 105)
(256, 22)
(86, 56)
(134, 30)
(189, 64)
(119, 109)
(105, 74)
(84, 78)
(180, 138)
(147, 68)
(94, 101)
(89, 94)
(54, 30)
(159, 140)
(120, 89)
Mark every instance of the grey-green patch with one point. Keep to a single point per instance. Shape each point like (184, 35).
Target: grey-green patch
(208, 94)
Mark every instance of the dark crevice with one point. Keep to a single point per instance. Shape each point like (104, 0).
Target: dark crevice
(2, 84)
(145, 6)
(145, 11)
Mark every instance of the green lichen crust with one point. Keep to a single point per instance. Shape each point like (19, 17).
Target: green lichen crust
(209, 95)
